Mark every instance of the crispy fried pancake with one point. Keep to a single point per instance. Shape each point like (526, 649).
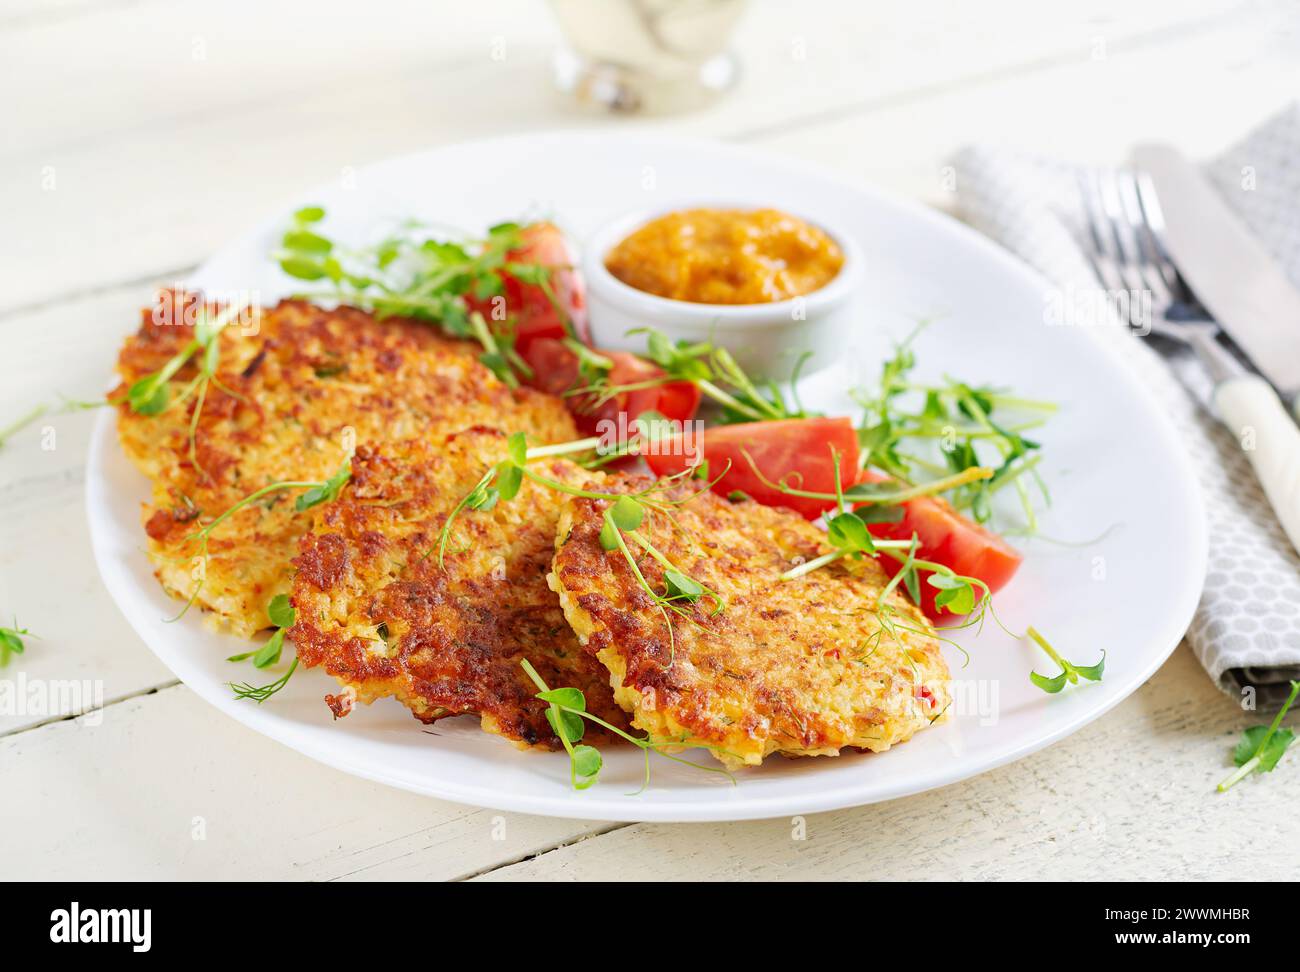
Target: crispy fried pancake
(376, 611)
(799, 667)
(293, 398)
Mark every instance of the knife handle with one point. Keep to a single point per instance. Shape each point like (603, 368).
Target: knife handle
(1271, 440)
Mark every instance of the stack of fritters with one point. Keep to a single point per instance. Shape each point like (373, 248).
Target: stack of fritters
(801, 667)
(296, 389)
(378, 611)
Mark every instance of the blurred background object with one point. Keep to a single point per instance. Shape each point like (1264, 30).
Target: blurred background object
(646, 56)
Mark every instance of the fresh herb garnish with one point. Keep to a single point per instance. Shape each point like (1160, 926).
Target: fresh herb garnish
(260, 693)
(11, 642)
(282, 614)
(847, 529)
(1069, 672)
(961, 418)
(502, 482)
(1261, 747)
(711, 368)
(621, 521)
(414, 274)
(566, 710)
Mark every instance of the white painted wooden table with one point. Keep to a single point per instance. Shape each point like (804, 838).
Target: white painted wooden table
(139, 136)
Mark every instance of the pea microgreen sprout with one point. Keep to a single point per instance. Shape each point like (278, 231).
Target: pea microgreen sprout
(413, 274)
(281, 613)
(1069, 672)
(711, 368)
(847, 529)
(11, 642)
(502, 482)
(260, 693)
(621, 519)
(960, 417)
(151, 394)
(566, 710)
(1261, 747)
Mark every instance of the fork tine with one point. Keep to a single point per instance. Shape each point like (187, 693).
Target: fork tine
(1108, 258)
(1154, 221)
(1100, 252)
(1121, 230)
(1149, 261)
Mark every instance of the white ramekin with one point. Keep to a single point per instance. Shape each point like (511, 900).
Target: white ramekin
(767, 339)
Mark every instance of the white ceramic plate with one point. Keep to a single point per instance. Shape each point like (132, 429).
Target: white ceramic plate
(1113, 462)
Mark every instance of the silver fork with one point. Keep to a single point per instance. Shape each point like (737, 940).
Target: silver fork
(1125, 243)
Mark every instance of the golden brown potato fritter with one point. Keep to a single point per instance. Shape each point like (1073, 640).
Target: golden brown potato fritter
(376, 611)
(800, 667)
(295, 390)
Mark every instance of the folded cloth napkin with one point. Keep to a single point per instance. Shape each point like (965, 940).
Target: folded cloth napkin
(1246, 631)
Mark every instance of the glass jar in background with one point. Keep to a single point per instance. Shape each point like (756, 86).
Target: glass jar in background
(646, 56)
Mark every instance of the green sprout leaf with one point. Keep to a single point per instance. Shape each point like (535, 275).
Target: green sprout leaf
(627, 513)
(571, 698)
(280, 611)
(1256, 741)
(517, 448)
(1049, 685)
(609, 535)
(567, 725)
(509, 479)
(325, 492)
(958, 596)
(11, 642)
(302, 268)
(1069, 672)
(305, 241)
(1261, 747)
(586, 765)
(681, 587)
(849, 532)
(148, 395)
(483, 498)
(270, 652)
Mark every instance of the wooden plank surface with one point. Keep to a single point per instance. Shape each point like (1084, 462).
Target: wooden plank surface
(164, 787)
(1129, 798)
(207, 120)
(149, 133)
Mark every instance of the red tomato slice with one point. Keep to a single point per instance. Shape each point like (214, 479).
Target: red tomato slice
(948, 538)
(555, 370)
(797, 450)
(534, 314)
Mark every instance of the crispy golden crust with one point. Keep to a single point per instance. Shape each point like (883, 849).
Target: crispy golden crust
(298, 387)
(455, 634)
(798, 667)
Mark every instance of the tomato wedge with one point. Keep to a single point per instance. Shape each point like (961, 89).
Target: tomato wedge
(796, 450)
(948, 538)
(534, 313)
(555, 370)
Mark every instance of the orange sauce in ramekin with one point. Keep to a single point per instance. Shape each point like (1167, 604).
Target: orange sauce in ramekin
(726, 256)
